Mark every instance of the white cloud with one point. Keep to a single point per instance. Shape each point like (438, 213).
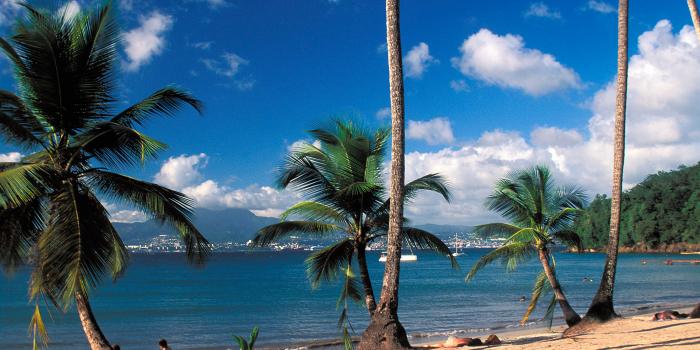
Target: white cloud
(418, 60)
(126, 5)
(10, 157)
(147, 40)
(383, 113)
(69, 10)
(600, 6)
(434, 132)
(662, 133)
(9, 10)
(203, 45)
(181, 171)
(506, 62)
(299, 143)
(540, 9)
(228, 66)
(213, 4)
(459, 85)
(184, 173)
(128, 216)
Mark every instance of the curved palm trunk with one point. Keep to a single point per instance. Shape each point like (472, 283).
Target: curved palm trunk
(570, 315)
(366, 282)
(385, 331)
(601, 308)
(93, 333)
(693, 7)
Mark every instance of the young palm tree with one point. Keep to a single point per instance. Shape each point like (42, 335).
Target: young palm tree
(342, 180)
(540, 214)
(384, 330)
(602, 308)
(50, 201)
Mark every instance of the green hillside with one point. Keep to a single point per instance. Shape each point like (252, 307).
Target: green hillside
(663, 209)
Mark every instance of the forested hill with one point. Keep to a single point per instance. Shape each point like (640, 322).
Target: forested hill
(662, 210)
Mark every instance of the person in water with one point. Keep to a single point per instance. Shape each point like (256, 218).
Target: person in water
(164, 345)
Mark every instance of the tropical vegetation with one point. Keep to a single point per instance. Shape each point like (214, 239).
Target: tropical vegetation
(661, 210)
(540, 215)
(249, 344)
(342, 181)
(52, 213)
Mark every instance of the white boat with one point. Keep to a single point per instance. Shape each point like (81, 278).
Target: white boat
(457, 252)
(404, 257)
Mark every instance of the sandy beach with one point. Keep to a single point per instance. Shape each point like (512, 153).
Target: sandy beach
(628, 333)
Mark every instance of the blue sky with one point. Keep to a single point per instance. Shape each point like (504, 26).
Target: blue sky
(525, 87)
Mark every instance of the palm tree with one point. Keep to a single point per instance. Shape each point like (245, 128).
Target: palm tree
(602, 308)
(693, 7)
(384, 330)
(342, 180)
(51, 211)
(540, 214)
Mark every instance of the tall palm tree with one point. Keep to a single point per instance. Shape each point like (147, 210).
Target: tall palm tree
(51, 212)
(384, 330)
(342, 180)
(602, 308)
(540, 214)
(693, 7)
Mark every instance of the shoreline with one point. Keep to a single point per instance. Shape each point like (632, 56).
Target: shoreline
(507, 334)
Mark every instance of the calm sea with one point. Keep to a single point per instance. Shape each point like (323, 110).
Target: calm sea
(161, 296)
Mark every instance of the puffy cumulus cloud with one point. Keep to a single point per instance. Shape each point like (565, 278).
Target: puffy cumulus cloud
(662, 133)
(9, 10)
(434, 132)
(383, 113)
(69, 9)
(184, 173)
(119, 214)
(459, 85)
(181, 171)
(540, 9)
(503, 60)
(600, 6)
(417, 60)
(228, 66)
(10, 157)
(147, 40)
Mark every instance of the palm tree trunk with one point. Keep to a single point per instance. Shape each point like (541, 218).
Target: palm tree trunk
(693, 7)
(570, 315)
(93, 333)
(385, 331)
(601, 308)
(366, 282)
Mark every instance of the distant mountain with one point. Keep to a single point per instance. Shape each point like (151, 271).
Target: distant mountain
(225, 225)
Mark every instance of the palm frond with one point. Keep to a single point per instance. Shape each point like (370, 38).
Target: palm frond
(325, 264)
(276, 232)
(540, 288)
(165, 102)
(165, 205)
(496, 229)
(569, 238)
(510, 255)
(117, 145)
(20, 183)
(431, 182)
(19, 230)
(314, 211)
(17, 125)
(422, 239)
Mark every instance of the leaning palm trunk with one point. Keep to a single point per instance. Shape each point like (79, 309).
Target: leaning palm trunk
(693, 7)
(601, 308)
(93, 333)
(385, 331)
(570, 314)
(366, 282)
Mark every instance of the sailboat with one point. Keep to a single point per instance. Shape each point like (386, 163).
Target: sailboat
(457, 252)
(404, 257)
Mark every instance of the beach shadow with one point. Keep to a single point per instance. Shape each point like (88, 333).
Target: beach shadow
(530, 340)
(660, 327)
(695, 341)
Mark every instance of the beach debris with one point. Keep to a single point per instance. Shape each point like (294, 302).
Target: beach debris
(453, 342)
(668, 315)
(696, 312)
(475, 342)
(492, 340)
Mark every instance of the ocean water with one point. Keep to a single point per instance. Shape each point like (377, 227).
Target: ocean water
(161, 296)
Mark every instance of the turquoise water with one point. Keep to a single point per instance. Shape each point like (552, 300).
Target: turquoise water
(196, 308)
